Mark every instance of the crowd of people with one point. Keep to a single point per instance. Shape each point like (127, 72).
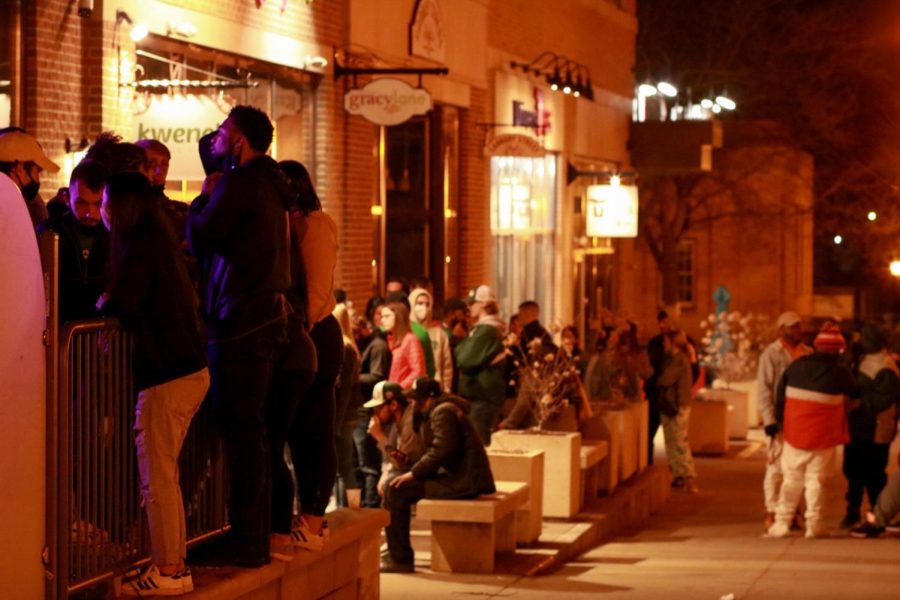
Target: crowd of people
(233, 299)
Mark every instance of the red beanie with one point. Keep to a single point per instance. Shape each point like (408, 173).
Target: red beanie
(830, 340)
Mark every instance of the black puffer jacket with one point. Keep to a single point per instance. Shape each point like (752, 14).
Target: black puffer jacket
(240, 234)
(455, 464)
(81, 269)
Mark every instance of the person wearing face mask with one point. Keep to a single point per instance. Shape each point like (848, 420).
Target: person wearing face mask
(83, 243)
(422, 313)
(23, 160)
(158, 157)
(238, 228)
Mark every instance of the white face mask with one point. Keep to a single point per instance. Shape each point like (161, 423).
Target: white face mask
(421, 312)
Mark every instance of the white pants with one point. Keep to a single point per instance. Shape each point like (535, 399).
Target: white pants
(774, 475)
(809, 469)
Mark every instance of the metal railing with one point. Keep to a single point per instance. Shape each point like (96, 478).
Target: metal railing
(96, 528)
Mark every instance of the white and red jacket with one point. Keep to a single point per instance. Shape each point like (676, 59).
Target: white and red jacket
(811, 402)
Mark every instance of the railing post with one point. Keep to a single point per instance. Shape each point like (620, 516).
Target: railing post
(55, 566)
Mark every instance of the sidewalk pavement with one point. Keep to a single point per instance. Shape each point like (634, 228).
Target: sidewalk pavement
(704, 546)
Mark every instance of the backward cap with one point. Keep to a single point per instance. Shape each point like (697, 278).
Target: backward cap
(482, 293)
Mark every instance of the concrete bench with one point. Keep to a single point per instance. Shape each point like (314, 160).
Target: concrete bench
(526, 466)
(591, 457)
(465, 534)
(604, 426)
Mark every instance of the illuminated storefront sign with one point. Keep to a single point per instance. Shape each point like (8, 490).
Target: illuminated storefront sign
(179, 121)
(612, 211)
(387, 101)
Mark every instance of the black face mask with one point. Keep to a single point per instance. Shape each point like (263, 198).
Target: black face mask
(30, 190)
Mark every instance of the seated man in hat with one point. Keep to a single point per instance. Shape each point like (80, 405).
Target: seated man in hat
(454, 465)
(393, 426)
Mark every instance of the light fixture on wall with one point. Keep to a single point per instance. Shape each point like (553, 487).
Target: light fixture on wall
(561, 74)
(138, 30)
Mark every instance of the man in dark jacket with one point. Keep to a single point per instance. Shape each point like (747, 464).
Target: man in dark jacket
(454, 465)
(83, 243)
(533, 335)
(238, 228)
(481, 360)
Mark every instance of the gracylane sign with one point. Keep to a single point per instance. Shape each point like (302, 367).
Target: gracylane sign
(387, 101)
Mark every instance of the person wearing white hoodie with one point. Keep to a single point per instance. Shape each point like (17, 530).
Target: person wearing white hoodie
(423, 313)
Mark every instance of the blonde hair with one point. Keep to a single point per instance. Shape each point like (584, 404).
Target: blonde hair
(342, 315)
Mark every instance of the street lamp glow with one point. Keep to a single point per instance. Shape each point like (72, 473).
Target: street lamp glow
(139, 32)
(667, 89)
(706, 103)
(716, 108)
(615, 180)
(726, 103)
(645, 89)
(872, 215)
(895, 268)
(838, 239)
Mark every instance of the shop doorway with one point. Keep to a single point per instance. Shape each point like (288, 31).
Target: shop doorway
(421, 197)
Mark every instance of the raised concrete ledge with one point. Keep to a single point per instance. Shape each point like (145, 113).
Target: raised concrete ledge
(348, 567)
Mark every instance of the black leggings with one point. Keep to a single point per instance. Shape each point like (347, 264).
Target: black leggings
(864, 468)
(311, 438)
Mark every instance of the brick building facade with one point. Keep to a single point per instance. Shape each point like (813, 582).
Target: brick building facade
(73, 77)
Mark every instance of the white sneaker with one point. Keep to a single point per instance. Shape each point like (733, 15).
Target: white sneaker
(816, 532)
(153, 583)
(779, 530)
(304, 538)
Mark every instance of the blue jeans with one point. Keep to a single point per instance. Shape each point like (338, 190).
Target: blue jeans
(240, 376)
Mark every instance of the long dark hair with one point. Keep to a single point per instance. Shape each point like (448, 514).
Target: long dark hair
(136, 216)
(301, 183)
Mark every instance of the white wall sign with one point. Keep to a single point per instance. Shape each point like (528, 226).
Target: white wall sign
(179, 121)
(612, 211)
(426, 32)
(387, 101)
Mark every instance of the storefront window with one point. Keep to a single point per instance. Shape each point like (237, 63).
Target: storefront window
(523, 218)
(9, 57)
(178, 117)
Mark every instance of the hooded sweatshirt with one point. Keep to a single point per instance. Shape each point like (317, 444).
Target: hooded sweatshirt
(811, 401)
(481, 369)
(440, 343)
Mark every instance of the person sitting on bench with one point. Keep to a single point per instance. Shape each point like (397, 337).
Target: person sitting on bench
(454, 465)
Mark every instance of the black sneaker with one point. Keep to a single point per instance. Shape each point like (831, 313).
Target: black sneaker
(866, 530)
(893, 527)
(388, 565)
(678, 483)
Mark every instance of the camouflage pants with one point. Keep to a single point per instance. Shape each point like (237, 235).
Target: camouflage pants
(678, 448)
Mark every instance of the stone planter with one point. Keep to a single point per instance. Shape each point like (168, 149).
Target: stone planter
(738, 410)
(526, 466)
(754, 418)
(562, 465)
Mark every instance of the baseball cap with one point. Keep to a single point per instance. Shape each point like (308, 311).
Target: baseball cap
(830, 339)
(424, 387)
(385, 391)
(788, 319)
(19, 146)
(482, 293)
